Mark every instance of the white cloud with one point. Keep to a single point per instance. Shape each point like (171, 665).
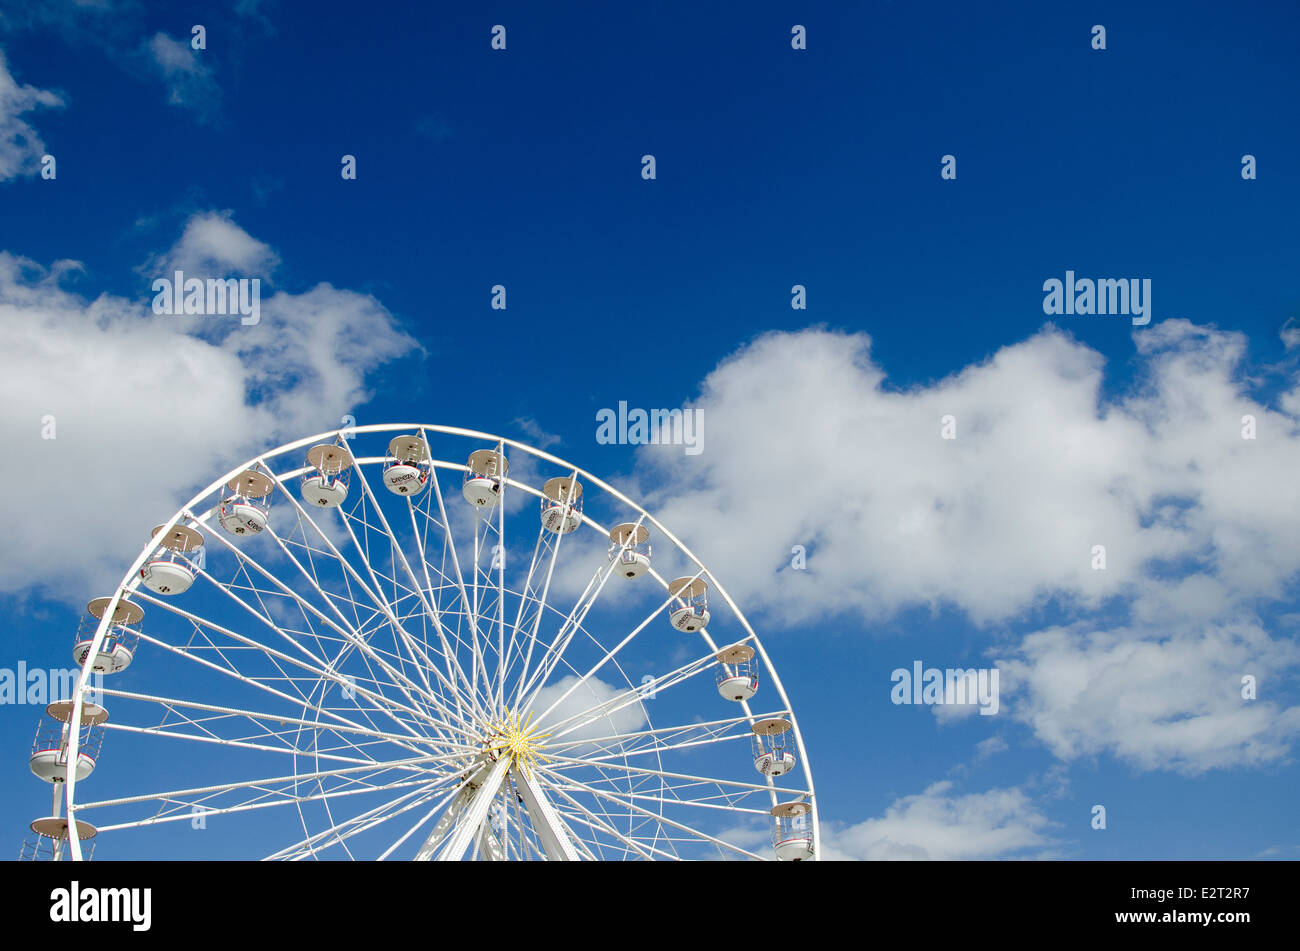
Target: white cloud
(212, 244)
(938, 824)
(21, 147)
(1158, 702)
(537, 437)
(149, 409)
(990, 747)
(809, 445)
(189, 80)
(594, 693)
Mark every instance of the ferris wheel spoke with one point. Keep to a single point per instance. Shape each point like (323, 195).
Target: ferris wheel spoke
(601, 663)
(484, 611)
(371, 605)
(353, 637)
(585, 817)
(568, 626)
(265, 784)
(424, 688)
(246, 562)
(622, 846)
(612, 653)
(216, 714)
(682, 741)
(608, 821)
(554, 549)
(568, 817)
(726, 801)
(632, 822)
(202, 732)
(321, 674)
(400, 681)
(419, 658)
(242, 744)
(454, 670)
(658, 750)
(337, 834)
(605, 709)
(480, 640)
(206, 812)
(449, 547)
(525, 598)
(501, 600)
(738, 786)
(554, 653)
(438, 807)
(633, 807)
(382, 703)
(553, 656)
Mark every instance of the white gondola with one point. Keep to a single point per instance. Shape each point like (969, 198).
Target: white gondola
(406, 471)
(245, 503)
(118, 647)
(561, 505)
(484, 477)
(690, 606)
(49, 759)
(773, 747)
(171, 569)
(325, 484)
(630, 546)
(737, 679)
(792, 831)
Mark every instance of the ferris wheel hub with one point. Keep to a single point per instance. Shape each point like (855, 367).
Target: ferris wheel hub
(518, 738)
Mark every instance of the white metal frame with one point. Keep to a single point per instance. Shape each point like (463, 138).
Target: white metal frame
(428, 698)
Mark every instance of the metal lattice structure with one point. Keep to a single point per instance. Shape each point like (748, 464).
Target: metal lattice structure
(330, 653)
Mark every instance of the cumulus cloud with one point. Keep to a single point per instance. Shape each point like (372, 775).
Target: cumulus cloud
(21, 147)
(213, 244)
(147, 409)
(940, 824)
(1171, 701)
(809, 445)
(189, 80)
(538, 437)
(990, 747)
(590, 696)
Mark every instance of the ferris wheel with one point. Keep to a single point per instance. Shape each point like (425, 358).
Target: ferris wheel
(420, 642)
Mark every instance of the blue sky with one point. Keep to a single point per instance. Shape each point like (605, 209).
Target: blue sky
(774, 167)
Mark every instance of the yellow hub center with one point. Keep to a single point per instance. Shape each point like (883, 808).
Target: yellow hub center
(514, 737)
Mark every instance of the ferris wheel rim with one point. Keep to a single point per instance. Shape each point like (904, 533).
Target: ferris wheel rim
(131, 579)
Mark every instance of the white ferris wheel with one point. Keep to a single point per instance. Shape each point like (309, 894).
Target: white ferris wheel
(331, 653)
